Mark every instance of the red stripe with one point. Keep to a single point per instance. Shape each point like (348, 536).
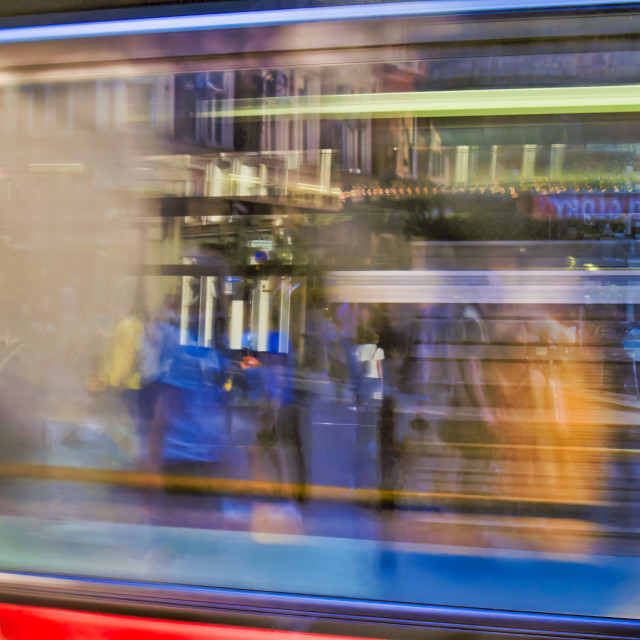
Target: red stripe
(31, 623)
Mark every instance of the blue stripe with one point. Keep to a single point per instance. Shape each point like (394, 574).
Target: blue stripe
(171, 24)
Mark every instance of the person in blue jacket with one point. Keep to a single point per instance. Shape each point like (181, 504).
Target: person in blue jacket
(187, 431)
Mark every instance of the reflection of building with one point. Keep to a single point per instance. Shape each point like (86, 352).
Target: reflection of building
(187, 111)
(64, 156)
(198, 171)
(140, 103)
(199, 98)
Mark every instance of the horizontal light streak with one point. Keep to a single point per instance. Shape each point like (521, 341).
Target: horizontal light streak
(45, 622)
(485, 287)
(72, 167)
(227, 486)
(475, 102)
(169, 24)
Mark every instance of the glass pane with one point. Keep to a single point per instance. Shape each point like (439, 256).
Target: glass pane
(390, 324)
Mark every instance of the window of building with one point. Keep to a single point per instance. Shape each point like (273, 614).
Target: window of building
(214, 91)
(59, 108)
(84, 106)
(31, 108)
(141, 104)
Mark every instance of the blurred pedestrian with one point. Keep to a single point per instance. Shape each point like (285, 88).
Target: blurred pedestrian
(369, 356)
(186, 433)
(337, 359)
(119, 371)
(281, 419)
(159, 342)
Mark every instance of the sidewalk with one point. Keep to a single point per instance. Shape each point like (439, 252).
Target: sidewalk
(333, 458)
(335, 567)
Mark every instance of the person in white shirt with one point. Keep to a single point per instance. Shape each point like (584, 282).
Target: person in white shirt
(370, 356)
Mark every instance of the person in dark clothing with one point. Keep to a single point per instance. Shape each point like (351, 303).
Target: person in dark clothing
(281, 420)
(388, 448)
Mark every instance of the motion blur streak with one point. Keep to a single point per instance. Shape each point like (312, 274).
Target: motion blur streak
(284, 16)
(284, 490)
(27, 623)
(482, 102)
(340, 303)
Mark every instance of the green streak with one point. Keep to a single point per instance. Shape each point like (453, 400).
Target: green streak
(481, 102)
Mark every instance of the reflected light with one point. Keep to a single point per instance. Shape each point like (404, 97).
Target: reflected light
(467, 102)
(71, 167)
(280, 17)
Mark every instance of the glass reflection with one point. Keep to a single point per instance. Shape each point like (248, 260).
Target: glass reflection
(241, 301)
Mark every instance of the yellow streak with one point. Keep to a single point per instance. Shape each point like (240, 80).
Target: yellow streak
(142, 480)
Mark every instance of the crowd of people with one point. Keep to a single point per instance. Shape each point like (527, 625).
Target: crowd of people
(482, 400)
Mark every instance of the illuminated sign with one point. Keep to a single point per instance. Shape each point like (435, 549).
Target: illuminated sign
(265, 245)
(587, 206)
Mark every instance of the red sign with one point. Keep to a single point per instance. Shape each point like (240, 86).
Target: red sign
(29, 623)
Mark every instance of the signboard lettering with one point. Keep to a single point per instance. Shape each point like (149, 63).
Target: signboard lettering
(586, 206)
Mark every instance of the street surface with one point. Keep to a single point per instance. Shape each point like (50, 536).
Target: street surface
(433, 574)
